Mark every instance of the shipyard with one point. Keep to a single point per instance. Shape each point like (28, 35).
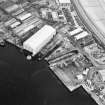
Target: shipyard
(65, 37)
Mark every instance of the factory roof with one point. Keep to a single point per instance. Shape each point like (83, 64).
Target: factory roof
(64, 1)
(36, 42)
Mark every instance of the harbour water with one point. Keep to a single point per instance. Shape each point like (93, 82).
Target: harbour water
(25, 82)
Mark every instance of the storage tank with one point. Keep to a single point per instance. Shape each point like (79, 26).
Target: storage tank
(36, 42)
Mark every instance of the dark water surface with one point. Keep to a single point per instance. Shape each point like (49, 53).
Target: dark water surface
(32, 83)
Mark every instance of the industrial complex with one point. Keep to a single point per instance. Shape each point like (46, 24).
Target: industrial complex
(68, 34)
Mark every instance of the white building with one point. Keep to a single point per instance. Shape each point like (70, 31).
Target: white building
(36, 42)
(63, 2)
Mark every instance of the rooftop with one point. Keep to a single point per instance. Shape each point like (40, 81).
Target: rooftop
(64, 1)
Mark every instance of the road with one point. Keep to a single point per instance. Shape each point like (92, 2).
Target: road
(92, 14)
(89, 22)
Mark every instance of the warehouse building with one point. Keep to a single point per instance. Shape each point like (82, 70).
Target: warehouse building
(63, 3)
(37, 41)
